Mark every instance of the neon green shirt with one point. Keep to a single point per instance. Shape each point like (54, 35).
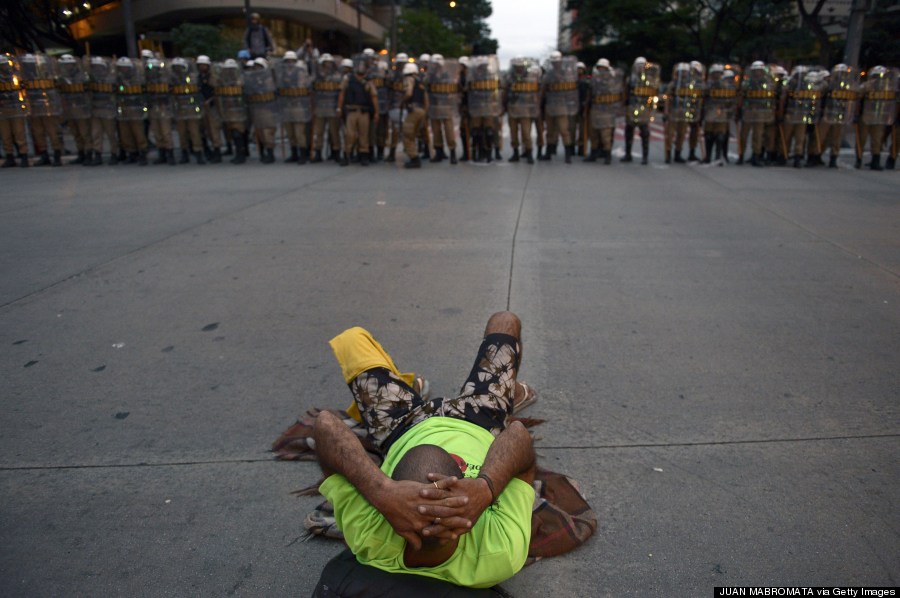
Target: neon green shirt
(493, 551)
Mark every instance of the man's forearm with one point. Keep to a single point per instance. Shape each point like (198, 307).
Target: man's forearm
(340, 451)
(510, 455)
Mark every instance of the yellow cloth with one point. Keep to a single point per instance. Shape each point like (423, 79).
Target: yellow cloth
(357, 351)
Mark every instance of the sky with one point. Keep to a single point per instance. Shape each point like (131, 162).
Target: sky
(524, 28)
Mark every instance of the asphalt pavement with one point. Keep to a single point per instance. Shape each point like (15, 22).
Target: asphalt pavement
(716, 352)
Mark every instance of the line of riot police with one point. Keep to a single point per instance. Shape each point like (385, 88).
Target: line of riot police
(364, 105)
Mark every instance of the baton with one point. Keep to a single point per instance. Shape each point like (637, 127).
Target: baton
(818, 140)
(859, 149)
(741, 140)
(783, 143)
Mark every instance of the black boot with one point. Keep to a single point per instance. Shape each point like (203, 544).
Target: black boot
(645, 150)
(200, 158)
(142, 158)
(438, 155)
(294, 155)
(489, 145)
(9, 161)
(832, 161)
(303, 156)
(797, 160)
(755, 160)
(528, 157)
(678, 158)
(23, 160)
(216, 157)
(710, 144)
(392, 155)
(268, 155)
(240, 153)
(453, 156)
(858, 164)
(364, 159)
(413, 163)
(379, 155)
(345, 161)
(44, 160)
(592, 156)
(185, 157)
(813, 161)
(113, 158)
(876, 162)
(82, 155)
(740, 160)
(160, 156)
(889, 163)
(627, 157)
(57, 158)
(336, 156)
(317, 158)
(515, 156)
(692, 156)
(497, 155)
(607, 158)
(88, 158)
(545, 157)
(569, 149)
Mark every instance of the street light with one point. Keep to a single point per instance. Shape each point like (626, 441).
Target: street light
(452, 4)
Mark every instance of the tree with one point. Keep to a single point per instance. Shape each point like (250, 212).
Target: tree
(466, 18)
(30, 25)
(218, 43)
(669, 31)
(811, 20)
(421, 31)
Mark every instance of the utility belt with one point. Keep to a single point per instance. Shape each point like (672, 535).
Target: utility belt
(609, 98)
(723, 94)
(294, 92)
(491, 85)
(98, 87)
(378, 82)
(185, 89)
(327, 86)
(443, 88)
(72, 88)
(40, 84)
(881, 95)
(229, 90)
(759, 94)
(9, 87)
(844, 94)
(687, 92)
(804, 95)
(526, 87)
(564, 86)
(357, 108)
(645, 92)
(259, 98)
(130, 90)
(415, 106)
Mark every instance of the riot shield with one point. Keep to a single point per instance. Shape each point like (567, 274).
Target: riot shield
(379, 74)
(294, 91)
(643, 86)
(561, 87)
(842, 96)
(131, 103)
(73, 87)
(259, 89)
(102, 76)
(158, 89)
(523, 89)
(721, 98)
(39, 73)
(326, 90)
(228, 81)
(12, 96)
(686, 94)
(607, 97)
(880, 99)
(442, 83)
(484, 86)
(186, 94)
(803, 94)
(760, 97)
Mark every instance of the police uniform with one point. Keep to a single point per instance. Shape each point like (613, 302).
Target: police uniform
(416, 103)
(358, 102)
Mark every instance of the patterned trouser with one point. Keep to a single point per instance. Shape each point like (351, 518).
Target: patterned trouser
(389, 406)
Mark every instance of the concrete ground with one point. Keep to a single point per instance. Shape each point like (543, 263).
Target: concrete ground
(716, 349)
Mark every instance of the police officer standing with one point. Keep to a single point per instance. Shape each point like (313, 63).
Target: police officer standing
(415, 102)
(358, 103)
(643, 88)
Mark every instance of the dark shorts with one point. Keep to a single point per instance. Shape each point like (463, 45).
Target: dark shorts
(389, 406)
